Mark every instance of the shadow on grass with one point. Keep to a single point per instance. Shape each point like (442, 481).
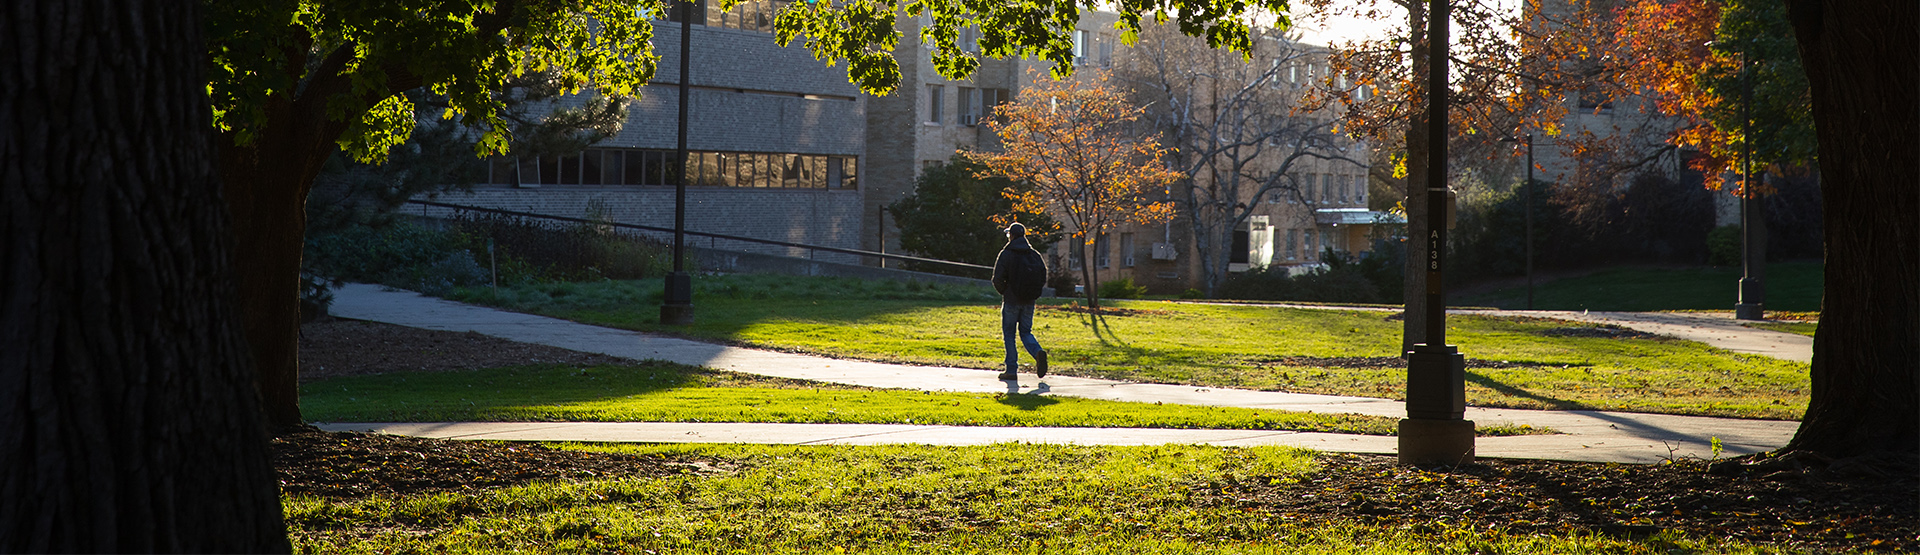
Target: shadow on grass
(1026, 401)
(1496, 385)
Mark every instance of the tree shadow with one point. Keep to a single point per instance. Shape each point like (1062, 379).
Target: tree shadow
(1496, 385)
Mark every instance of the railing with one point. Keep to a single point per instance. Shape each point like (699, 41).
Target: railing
(810, 248)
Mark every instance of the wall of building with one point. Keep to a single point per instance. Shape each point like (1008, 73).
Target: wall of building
(748, 95)
(828, 218)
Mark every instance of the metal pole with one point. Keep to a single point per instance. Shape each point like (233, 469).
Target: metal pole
(1526, 197)
(1435, 431)
(677, 308)
(1749, 307)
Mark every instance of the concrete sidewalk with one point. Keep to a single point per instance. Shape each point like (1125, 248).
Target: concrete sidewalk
(1716, 329)
(1588, 435)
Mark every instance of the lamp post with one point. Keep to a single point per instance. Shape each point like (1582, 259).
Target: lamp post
(1435, 431)
(676, 308)
(1526, 202)
(1753, 290)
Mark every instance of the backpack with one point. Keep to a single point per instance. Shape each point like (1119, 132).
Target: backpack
(1029, 275)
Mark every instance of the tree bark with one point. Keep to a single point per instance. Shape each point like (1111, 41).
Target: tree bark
(1860, 62)
(128, 417)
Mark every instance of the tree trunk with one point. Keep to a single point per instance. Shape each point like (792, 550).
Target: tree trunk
(266, 190)
(128, 418)
(1860, 63)
(1414, 325)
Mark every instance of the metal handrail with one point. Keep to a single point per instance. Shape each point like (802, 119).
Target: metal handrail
(856, 252)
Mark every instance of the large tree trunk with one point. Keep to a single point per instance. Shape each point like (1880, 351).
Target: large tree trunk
(128, 417)
(266, 189)
(1860, 62)
(1414, 325)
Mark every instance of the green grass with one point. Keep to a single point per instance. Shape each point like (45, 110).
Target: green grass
(1206, 345)
(1802, 328)
(920, 499)
(665, 392)
(1792, 286)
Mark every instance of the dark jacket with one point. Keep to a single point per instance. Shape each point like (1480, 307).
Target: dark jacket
(1007, 271)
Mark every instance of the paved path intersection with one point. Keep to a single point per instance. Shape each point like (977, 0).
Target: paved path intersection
(1587, 435)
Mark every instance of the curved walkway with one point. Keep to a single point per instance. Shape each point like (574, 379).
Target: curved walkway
(1716, 329)
(1587, 435)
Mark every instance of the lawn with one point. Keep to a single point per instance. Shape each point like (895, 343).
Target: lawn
(1514, 362)
(1802, 328)
(1791, 286)
(1013, 498)
(666, 392)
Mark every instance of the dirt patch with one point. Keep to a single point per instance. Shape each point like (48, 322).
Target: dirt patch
(1600, 331)
(333, 347)
(348, 464)
(1798, 501)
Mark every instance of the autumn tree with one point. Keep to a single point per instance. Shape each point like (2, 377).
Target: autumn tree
(1237, 126)
(1075, 143)
(128, 418)
(1711, 67)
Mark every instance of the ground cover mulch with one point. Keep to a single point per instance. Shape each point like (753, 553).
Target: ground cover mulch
(1801, 501)
(335, 347)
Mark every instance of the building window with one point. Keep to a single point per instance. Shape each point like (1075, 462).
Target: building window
(600, 166)
(1360, 189)
(1106, 49)
(1126, 250)
(748, 15)
(970, 39)
(1100, 248)
(970, 106)
(1311, 247)
(1079, 47)
(1293, 236)
(934, 92)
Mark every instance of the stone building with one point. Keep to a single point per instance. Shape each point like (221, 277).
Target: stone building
(776, 139)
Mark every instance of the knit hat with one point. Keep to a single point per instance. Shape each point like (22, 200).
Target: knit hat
(1016, 230)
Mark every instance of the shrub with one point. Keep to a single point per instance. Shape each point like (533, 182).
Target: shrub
(1123, 288)
(1723, 245)
(1192, 293)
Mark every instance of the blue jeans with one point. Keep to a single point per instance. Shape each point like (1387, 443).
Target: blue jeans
(1018, 317)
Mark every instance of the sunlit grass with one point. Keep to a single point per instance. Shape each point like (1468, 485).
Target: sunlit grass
(664, 392)
(1802, 328)
(1206, 345)
(913, 499)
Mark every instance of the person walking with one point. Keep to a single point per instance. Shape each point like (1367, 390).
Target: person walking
(1019, 274)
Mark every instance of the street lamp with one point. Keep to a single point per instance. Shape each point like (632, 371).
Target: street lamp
(676, 308)
(1753, 288)
(1435, 430)
(1526, 202)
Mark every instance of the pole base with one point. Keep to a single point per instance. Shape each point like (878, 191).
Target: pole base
(1436, 442)
(676, 314)
(1749, 311)
(677, 310)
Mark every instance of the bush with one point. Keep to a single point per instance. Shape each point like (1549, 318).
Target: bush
(1192, 293)
(1723, 245)
(1343, 280)
(1123, 288)
(564, 253)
